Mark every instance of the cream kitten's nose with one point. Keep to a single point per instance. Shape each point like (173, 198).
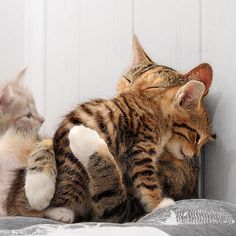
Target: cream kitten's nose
(41, 119)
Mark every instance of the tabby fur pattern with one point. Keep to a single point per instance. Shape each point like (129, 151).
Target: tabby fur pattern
(160, 109)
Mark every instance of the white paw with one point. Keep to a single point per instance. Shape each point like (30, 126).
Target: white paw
(166, 202)
(61, 214)
(39, 189)
(84, 142)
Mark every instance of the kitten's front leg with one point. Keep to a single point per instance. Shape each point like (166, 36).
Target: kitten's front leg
(41, 174)
(140, 162)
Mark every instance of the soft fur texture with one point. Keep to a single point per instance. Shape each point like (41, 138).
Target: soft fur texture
(19, 126)
(157, 105)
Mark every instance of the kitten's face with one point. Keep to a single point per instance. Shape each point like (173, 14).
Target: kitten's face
(24, 115)
(18, 109)
(184, 103)
(191, 124)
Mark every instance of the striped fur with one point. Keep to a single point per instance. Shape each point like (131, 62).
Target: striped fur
(126, 177)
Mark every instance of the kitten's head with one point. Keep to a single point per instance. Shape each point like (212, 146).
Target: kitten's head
(181, 96)
(191, 126)
(17, 108)
(146, 74)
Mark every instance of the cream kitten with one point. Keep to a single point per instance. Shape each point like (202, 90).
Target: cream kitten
(19, 126)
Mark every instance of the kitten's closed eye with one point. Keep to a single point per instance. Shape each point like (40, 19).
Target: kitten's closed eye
(212, 137)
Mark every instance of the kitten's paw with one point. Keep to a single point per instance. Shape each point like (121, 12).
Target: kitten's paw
(61, 214)
(84, 142)
(166, 202)
(39, 190)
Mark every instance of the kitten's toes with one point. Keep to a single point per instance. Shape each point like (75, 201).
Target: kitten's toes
(166, 202)
(39, 189)
(61, 214)
(84, 142)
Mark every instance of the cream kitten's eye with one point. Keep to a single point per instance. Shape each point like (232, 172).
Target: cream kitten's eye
(29, 115)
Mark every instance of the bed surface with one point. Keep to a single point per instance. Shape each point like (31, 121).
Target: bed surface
(187, 217)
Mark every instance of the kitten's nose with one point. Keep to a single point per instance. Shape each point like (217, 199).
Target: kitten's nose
(41, 119)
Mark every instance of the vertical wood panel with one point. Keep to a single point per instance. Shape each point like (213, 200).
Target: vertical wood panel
(12, 40)
(105, 48)
(219, 47)
(170, 31)
(35, 50)
(62, 59)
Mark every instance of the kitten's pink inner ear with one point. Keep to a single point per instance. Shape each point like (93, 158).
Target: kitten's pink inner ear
(202, 73)
(190, 95)
(6, 96)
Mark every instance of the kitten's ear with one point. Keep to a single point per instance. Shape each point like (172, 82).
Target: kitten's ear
(20, 76)
(202, 73)
(190, 95)
(140, 57)
(6, 97)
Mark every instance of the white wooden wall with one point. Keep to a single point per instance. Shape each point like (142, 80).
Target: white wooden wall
(77, 49)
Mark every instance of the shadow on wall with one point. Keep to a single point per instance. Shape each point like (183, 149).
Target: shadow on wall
(218, 157)
(212, 102)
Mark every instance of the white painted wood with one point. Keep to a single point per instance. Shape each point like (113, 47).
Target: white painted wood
(35, 51)
(62, 59)
(88, 47)
(169, 31)
(12, 37)
(105, 46)
(219, 48)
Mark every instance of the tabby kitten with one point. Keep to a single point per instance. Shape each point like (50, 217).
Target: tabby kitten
(19, 126)
(178, 174)
(117, 142)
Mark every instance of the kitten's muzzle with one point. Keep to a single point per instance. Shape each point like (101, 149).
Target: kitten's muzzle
(41, 119)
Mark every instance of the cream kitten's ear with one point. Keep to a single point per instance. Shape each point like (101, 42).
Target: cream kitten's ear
(140, 57)
(190, 95)
(202, 73)
(6, 98)
(20, 76)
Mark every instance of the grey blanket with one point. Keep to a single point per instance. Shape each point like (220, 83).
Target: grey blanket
(187, 217)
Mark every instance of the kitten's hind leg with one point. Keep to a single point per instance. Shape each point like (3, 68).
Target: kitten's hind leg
(41, 174)
(18, 205)
(108, 193)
